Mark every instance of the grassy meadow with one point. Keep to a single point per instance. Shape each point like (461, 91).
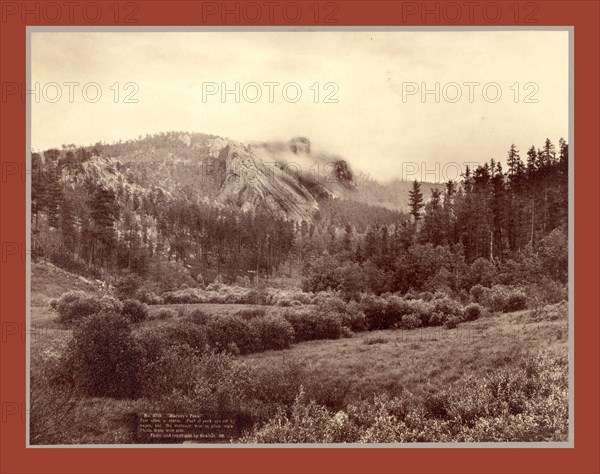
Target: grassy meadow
(328, 390)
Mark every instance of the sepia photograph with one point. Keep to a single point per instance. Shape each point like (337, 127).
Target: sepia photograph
(306, 237)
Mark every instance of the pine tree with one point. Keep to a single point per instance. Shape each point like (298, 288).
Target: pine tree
(498, 210)
(515, 200)
(433, 230)
(415, 201)
(532, 185)
(449, 213)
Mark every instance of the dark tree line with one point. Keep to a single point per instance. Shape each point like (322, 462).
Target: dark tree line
(93, 216)
(511, 221)
(81, 223)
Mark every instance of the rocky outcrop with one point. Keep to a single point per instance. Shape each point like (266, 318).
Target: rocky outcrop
(251, 184)
(284, 178)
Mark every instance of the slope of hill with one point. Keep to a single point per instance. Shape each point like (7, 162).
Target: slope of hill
(275, 178)
(49, 281)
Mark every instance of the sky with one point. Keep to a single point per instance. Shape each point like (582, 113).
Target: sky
(369, 107)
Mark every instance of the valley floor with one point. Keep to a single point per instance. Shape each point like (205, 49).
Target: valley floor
(421, 361)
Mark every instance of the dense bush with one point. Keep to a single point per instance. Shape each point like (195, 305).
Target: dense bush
(311, 324)
(76, 305)
(375, 309)
(162, 314)
(451, 323)
(391, 311)
(149, 297)
(214, 293)
(187, 296)
(551, 312)
(411, 321)
(274, 332)
(282, 297)
(353, 317)
(127, 285)
(422, 310)
(482, 272)
(155, 339)
(526, 403)
(478, 293)
(350, 314)
(104, 356)
(171, 370)
(223, 294)
(251, 313)
(447, 307)
(472, 312)
(227, 332)
(395, 308)
(547, 292)
(515, 301)
(135, 311)
(500, 298)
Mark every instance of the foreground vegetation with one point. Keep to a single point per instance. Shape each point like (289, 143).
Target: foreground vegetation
(328, 371)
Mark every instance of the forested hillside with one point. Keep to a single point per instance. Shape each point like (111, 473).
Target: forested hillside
(167, 209)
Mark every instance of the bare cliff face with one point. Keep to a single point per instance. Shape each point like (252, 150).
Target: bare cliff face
(284, 180)
(252, 184)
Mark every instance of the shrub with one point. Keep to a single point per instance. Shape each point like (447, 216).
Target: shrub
(307, 423)
(528, 402)
(251, 313)
(451, 323)
(105, 357)
(478, 293)
(187, 296)
(515, 301)
(425, 296)
(551, 312)
(220, 384)
(156, 339)
(256, 296)
(411, 321)
(448, 308)
(134, 311)
(350, 314)
(274, 332)
(369, 341)
(395, 308)
(310, 324)
(483, 272)
(547, 292)
(421, 309)
(437, 319)
(149, 297)
(328, 326)
(497, 302)
(224, 330)
(353, 318)
(171, 371)
(197, 316)
(76, 305)
(127, 285)
(162, 314)
(375, 310)
(472, 312)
